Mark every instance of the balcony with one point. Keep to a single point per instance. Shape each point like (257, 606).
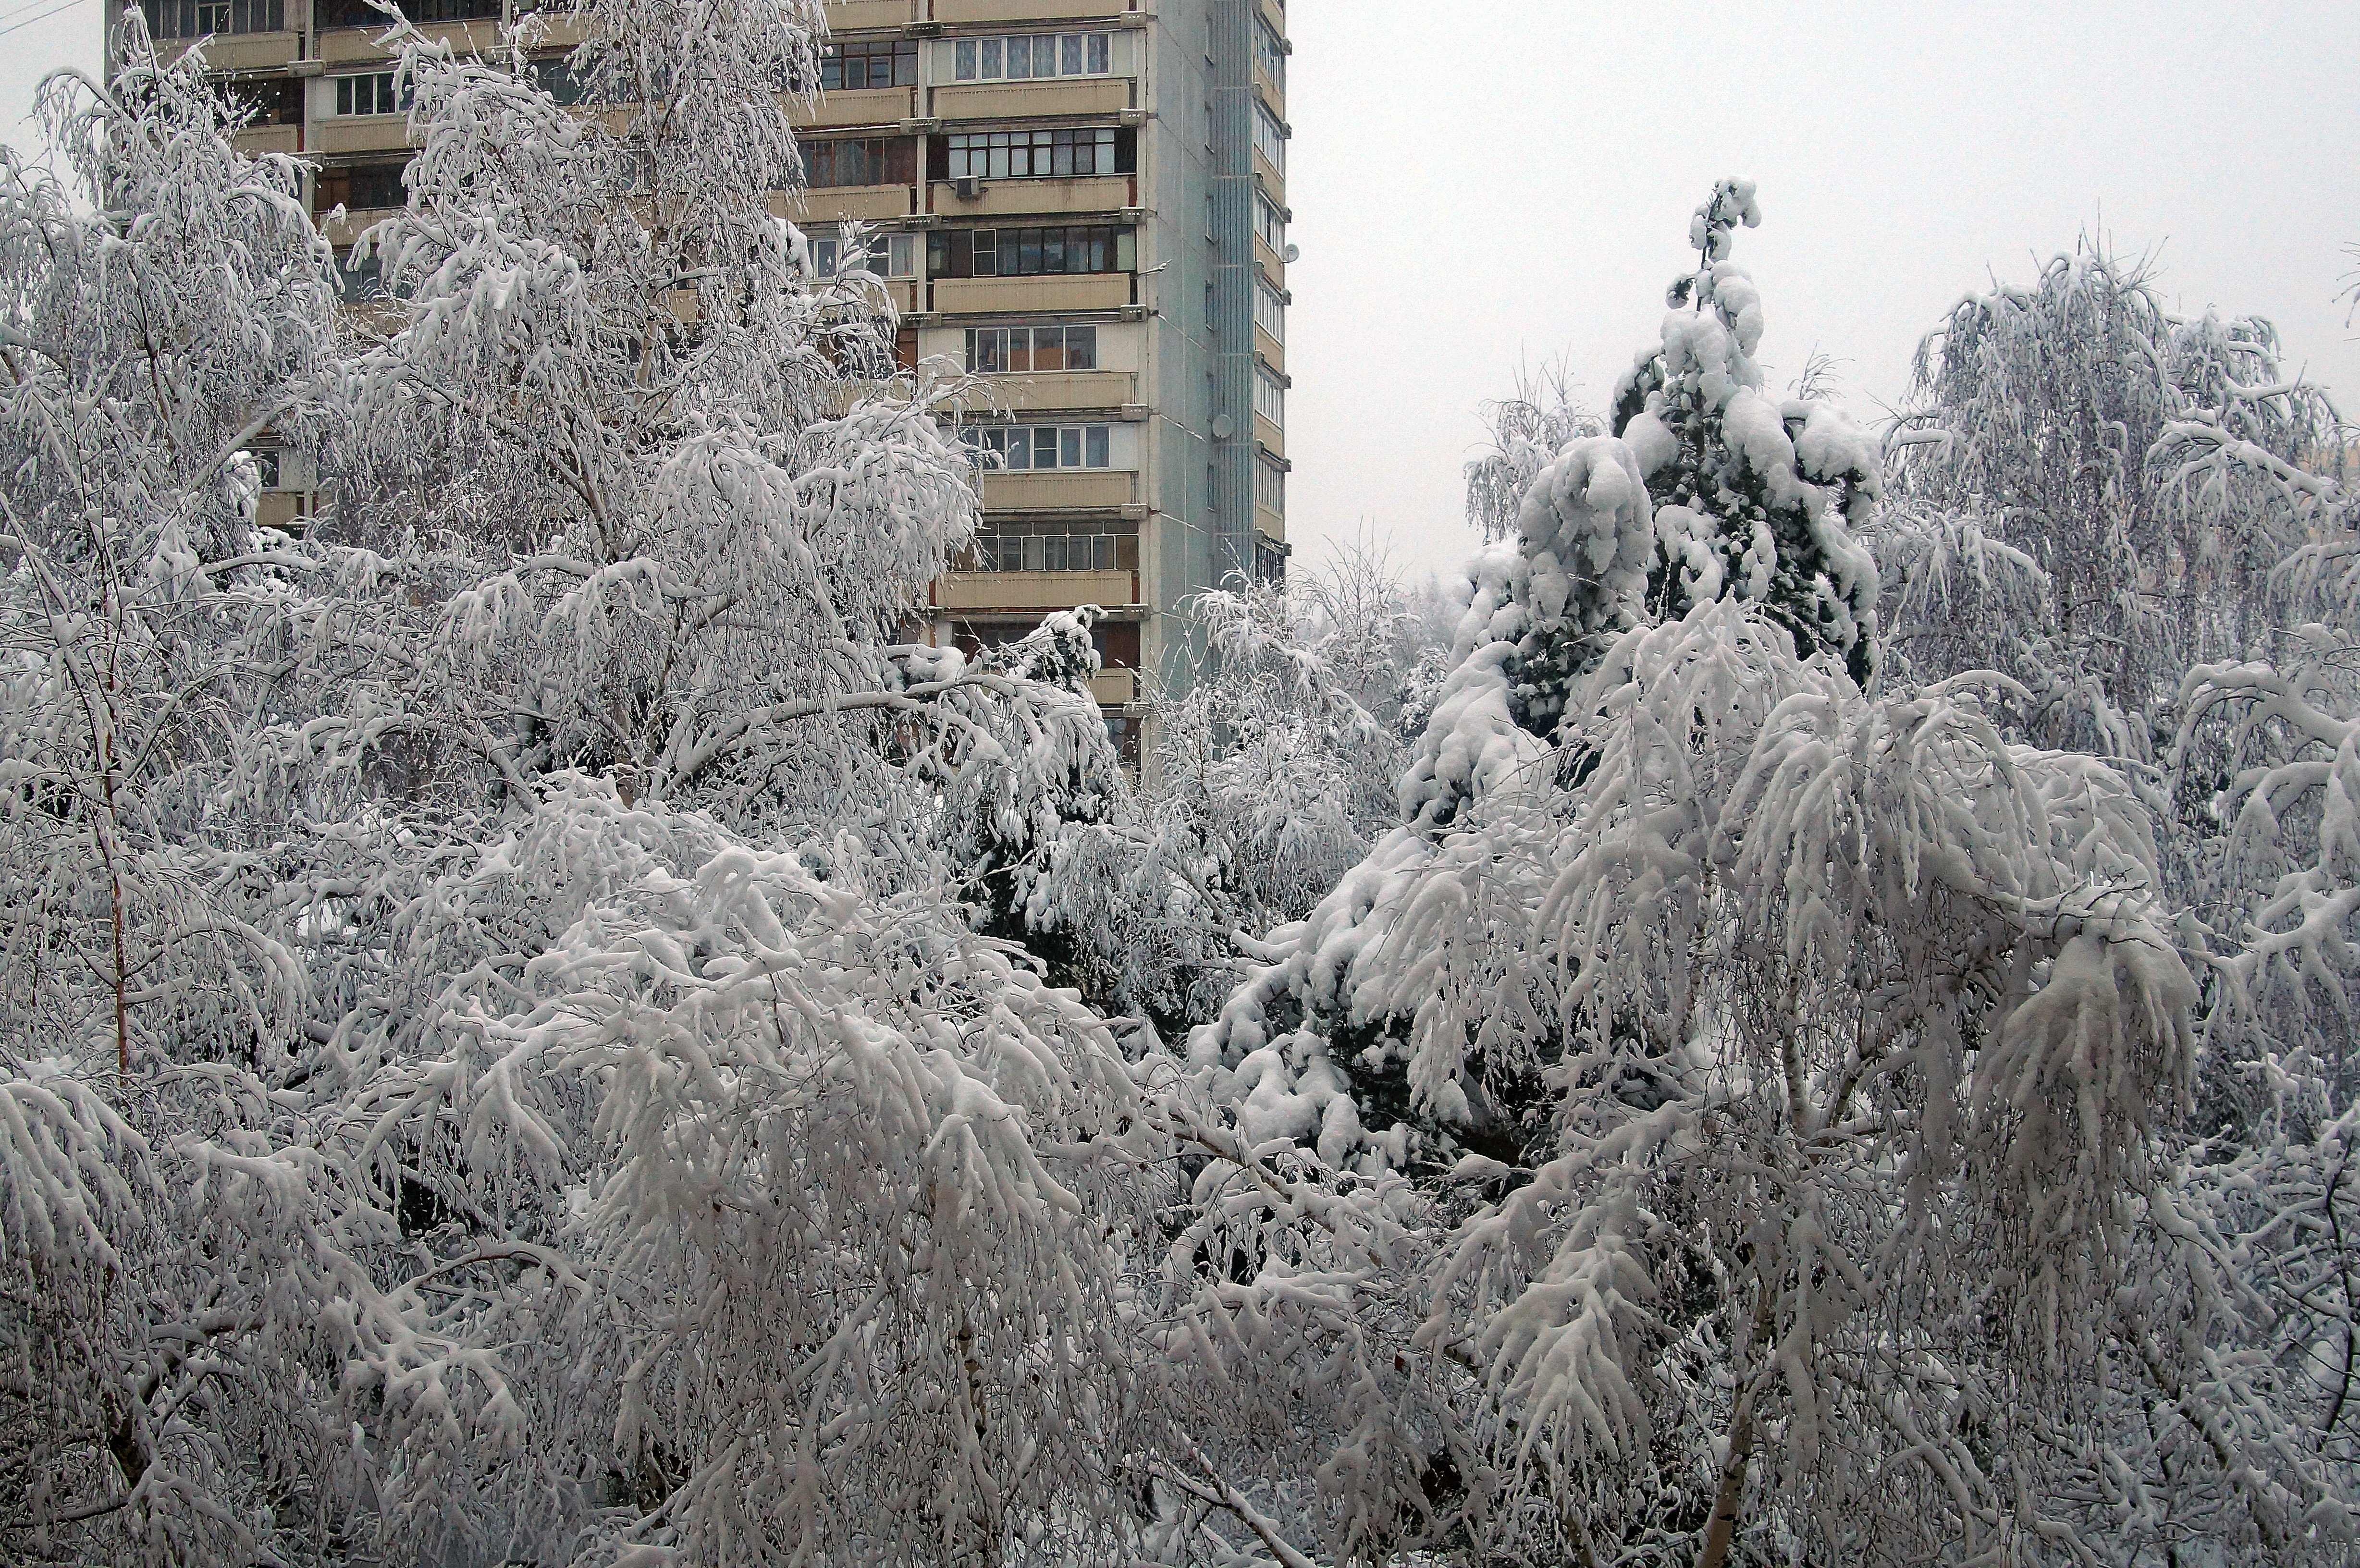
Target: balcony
(859, 203)
(1036, 591)
(847, 16)
(956, 12)
(1027, 198)
(361, 133)
(1273, 351)
(1273, 439)
(1099, 490)
(1004, 100)
(1114, 687)
(988, 296)
(243, 51)
(857, 106)
(340, 45)
(1037, 392)
(259, 141)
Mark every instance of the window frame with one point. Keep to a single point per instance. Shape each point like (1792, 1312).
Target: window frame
(901, 57)
(1022, 448)
(991, 57)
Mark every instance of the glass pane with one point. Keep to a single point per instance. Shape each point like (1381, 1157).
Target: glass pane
(1058, 552)
(991, 59)
(1062, 159)
(1081, 348)
(1097, 444)
(1019, 56)
(1045, 446)
(1125, 552)
(1069, 448)
(1052, 251)
(1036, 553)
(1069, 54)
(1048, 348)
(1097, 52)
(905, 65)
(964, 55)
(1126, 251)
(1020, 349)
(1102, 553)
(1045, 57)
(1020, 449)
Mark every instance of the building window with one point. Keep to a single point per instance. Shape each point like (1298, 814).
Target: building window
(557, 79)
(1040, 155)
(990, 350)
(1270, 54)
(1028, 253)
(874, 160)
(371, 94)
(1269, 311)
(878, 62)
(1011, 549)
(196, 18)
(1270, 138)
(886, 256)
(1270, 397)
(1269, 561)
(1271, 224)
(1016, 449)
(363, 188)
(361, 14)
(1269, 486)
(268, 102)
(1028, 56)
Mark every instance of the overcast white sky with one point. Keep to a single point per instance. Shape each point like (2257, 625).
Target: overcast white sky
(1480, 184)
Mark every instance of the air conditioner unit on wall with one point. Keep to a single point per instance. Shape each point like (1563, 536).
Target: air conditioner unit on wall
(968, 187)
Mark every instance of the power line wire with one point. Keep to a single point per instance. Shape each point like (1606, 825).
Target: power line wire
(29, 21)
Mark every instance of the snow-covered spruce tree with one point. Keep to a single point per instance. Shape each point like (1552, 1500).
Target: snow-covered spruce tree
(1716, 491)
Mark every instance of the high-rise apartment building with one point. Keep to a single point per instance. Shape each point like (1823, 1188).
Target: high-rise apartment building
(1081, 201)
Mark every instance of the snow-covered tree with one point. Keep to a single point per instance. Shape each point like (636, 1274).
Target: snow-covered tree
(1843, 1033)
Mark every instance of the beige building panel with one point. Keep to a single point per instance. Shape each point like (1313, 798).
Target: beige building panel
(550, 30)
(979, 296)
(1114, 687)
(1272, 524)
(1273, 183)
(284, 509)
(859, 203)
(361, 133)
(845, 15)
(957, 13)
(1052, 197)
(972, 591)
(245, 52)
(1273, 99)
(1006, 100)
(1055, 492)
(1274, 265)
(1273, 351)
(1271, 436)
(264, 139)
(1049, 391)
(340, 46)
(1274, 13)
(857, 106)
(342, 231)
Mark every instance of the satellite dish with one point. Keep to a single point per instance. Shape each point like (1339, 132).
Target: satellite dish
(1293, 252)
(1222, 428)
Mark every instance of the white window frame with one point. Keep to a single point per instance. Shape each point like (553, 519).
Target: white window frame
(988, 58)
(1089, 447)
(1270, 309)
(1270, 396)
(1269, 138)
(899, 250)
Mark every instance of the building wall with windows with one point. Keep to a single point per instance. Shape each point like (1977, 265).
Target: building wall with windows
(1080, 203)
